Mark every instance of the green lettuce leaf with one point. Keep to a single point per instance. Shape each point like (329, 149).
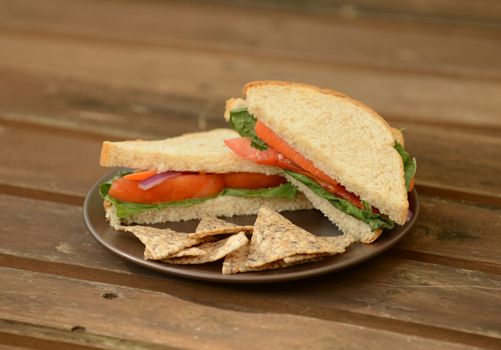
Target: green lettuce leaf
(283, 191)
(410, 164)
(126, 209)
(245, 124)
(375, 221)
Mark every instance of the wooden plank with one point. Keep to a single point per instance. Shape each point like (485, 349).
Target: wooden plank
(389, 288)
(48, 161)
(269, 32)
(483, 12)
(445, 228)
(15, 346)
(216, 76)
(33, 336)
(448, 159)
(456, 230)
(446, 10)
(455, 160)
(68, 240)
(101, 110)
(162, 319)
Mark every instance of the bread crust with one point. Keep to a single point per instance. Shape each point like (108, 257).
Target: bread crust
(326, 91)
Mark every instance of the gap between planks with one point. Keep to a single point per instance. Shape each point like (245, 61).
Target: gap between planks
(341, 316)
(41, 195)
(366, 13)
(458, 195)
(486, 129)
(445, 261)
(239, 52)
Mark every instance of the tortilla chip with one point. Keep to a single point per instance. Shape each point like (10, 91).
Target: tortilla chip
(298, 258)
(160, 243)
(236, 261)
(342, 242)
(192, 251)
(209, 223)
(148, 255)
(210, 226)
(276, 238)
(213, 250)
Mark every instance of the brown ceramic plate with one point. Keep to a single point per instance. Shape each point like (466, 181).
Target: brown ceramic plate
(128, 247)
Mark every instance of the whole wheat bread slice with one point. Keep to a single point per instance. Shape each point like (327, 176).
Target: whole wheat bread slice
(198, 152)
(343, 138)
(226, 206)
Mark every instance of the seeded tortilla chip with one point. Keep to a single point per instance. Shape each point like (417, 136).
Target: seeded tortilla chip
(210, 226)
(236, 261)
(148, 255)
(160, 243)
(276, 238)
(213, 250)
(298, 258)
(189, 252)
(339, 242)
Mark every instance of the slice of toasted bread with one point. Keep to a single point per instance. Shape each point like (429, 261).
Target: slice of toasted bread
(227, 206)
(199, 152)
(359, 230)
(343, 138)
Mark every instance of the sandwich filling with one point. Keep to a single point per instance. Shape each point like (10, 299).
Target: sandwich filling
(135, 192)
(261, 145)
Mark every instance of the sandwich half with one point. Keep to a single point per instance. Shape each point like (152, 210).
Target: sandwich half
(341, 154)
(188, 177)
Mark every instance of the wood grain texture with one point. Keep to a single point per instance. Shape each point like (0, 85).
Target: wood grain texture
(455, 159)
(25, 335)
(162, 319)
(456, 230)
(267, 32)
(217, 76)
(15, 345)
(72, 161)
(452, 12)
(383, 289)
(100, 110)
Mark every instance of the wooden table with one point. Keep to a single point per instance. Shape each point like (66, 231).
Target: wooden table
(74, 73)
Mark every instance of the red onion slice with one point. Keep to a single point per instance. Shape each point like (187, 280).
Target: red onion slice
(157, 179)
(410, 214)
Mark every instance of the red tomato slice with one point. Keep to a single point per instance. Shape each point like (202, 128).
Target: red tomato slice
(242, 147)
(140, 175)
(252, 180)
(277, 143)
(174, 189)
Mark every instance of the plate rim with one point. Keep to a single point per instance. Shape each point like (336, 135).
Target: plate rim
(241, 278)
